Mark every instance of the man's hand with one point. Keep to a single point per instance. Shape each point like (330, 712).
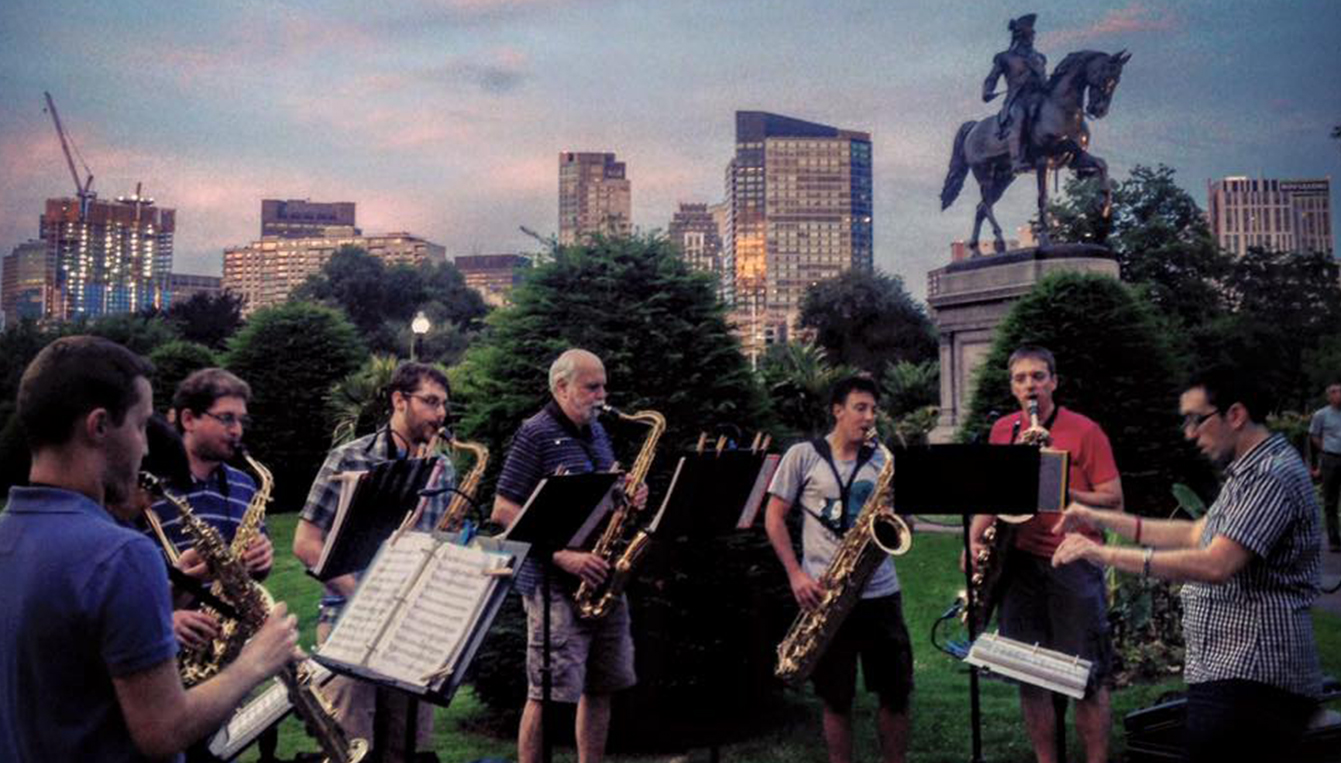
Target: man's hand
(193, 628)
(640, 496)
(1316, 472)
(1077, 516)
(1074, 548)
(274, 645)
(193, 564)
(591, 568)
(259, 556)
(808, 592)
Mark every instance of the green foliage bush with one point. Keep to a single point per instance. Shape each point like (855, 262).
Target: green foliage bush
(867, 319)
(173, 362)
(291, 355)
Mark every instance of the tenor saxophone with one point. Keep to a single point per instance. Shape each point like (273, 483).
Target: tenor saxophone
(877, 533)
(253, 605)
(464, 497)
(622, 544)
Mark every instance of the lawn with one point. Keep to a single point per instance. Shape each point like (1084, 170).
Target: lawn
(940, 715)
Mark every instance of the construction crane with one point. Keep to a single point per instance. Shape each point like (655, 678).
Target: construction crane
(83, 190)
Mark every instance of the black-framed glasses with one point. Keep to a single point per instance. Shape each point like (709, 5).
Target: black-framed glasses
(432, 401)
(1194, 421)
(229, 419)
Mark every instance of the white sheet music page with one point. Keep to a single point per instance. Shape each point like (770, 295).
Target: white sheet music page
(380, 592)
(442, 609)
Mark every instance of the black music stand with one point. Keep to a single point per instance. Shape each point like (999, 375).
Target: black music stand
(1003, 479)
(382, 498)
(561, 513)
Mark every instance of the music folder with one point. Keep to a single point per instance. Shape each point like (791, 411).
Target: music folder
(564, 509)
(373, 504)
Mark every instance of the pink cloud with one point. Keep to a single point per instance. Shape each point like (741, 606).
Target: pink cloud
(1134, 18)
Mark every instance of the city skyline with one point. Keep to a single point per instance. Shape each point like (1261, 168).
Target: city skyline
(443, 117)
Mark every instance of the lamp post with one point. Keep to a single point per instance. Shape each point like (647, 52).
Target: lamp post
(420, 326)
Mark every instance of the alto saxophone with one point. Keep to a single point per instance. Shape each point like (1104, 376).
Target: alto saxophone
(464, 497)
(253, 605)
(989, 564)
(622, 545)
(878, 532)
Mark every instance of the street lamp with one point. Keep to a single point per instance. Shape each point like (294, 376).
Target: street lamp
(420, 326)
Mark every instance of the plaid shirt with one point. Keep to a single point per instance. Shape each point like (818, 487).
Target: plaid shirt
(1256, 625)
(221, 499)
(358, 456)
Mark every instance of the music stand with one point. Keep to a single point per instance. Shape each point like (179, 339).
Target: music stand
(931, 480)
(561, 513)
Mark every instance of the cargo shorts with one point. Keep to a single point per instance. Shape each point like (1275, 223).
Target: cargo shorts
(586, 656)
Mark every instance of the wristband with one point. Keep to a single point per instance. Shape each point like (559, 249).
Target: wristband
(1145, 562)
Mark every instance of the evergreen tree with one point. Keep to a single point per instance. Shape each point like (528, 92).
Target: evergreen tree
(1115, 364)
(291, 355)
(173, 362)
(865, 320)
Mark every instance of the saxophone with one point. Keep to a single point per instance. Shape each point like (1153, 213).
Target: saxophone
(989, 564)
(253, 605)
(464, 497)
(877, 532)
(619, 551)
(199, 664)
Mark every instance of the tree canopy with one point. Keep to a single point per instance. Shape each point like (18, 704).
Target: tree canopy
(207, 319)
(867, 319)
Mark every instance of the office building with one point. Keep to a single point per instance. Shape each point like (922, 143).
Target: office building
(493, 275)
(594, 196)
(694, 232)
(1280, 215)
(183, 286)
(800, 212)
(300, 218)
(24, 286)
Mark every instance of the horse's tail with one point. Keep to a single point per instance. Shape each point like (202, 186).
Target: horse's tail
(959, 167)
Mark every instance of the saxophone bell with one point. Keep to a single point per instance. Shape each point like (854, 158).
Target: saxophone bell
(891, 534)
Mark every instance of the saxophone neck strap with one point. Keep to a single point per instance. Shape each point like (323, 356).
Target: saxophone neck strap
(864, 454)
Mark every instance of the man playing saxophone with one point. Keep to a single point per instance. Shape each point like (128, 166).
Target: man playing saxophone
(831, 478)
(89, 669)
(211, 416)
(1064, 609)
(592, 658)
(419, 396)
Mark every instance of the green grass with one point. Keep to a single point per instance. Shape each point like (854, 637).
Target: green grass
(930, 579)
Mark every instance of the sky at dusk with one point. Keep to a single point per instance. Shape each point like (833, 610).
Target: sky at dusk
(446, 117)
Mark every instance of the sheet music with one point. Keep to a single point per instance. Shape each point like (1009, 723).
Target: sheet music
(380, 591)
(428, 633)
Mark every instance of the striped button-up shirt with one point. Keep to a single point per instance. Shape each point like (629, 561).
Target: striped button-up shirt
(544, 443)
(1257, 625)
(221, 499)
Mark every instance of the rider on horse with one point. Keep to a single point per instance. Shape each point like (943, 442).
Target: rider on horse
(1025, 70)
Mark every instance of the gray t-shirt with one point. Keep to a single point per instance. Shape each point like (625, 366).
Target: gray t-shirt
(1327, 425)
(820, 497)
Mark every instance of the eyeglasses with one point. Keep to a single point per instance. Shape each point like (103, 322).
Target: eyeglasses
(229, 419)
(1194, 421)
(431, 401)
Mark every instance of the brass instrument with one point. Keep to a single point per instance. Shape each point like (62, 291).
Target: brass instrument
(989, 564)
(618, 550)
(250, 525)
(455, 515)
(877, 532)
(234, 583)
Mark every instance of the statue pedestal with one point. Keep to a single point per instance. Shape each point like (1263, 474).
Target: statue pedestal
(969, 298)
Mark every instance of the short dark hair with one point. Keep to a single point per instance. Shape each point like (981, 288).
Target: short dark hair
(1226, 385)
(198, 391)
(409, 376)
(71, 377)
(1035, 352)
(166, 458)
(854, 383)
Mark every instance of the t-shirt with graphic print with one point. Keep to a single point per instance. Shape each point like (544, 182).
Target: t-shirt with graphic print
(804, 477)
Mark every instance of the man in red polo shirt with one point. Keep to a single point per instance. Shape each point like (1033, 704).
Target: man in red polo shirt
(1065, 608)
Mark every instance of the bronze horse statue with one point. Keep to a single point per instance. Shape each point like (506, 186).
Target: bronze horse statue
(1057, 137)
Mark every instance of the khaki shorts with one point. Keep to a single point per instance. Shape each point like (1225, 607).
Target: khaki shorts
(586, 656)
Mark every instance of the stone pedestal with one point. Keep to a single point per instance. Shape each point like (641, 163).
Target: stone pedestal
(969, 298)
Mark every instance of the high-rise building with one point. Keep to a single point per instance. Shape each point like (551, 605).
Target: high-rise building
(492, 275)
(266, 271)
(183, 286)
(800, 212)
(24, 288)
(115, 259)
(693, 231)
(300, 218)
(594, 196)
(1283, 215)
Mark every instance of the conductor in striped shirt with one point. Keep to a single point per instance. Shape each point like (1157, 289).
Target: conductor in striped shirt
(1251, 573)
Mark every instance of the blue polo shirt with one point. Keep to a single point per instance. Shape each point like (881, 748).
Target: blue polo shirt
(544, 443)
(83, 599)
